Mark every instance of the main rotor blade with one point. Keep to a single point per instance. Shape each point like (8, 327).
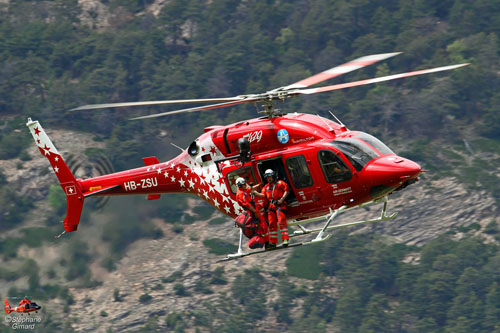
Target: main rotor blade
(340, 70)
(375, 80)
(200, 108)
(166, 102)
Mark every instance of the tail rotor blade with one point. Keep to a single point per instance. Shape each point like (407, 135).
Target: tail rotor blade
(340, 70)
(375, 80)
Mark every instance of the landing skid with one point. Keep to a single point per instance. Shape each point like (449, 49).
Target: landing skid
(278, 248)
(321, 231)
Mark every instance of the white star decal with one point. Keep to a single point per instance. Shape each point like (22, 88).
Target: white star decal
(224, 198)
(172, 165)
(159, 170)
(178, 169)
(185, 173)
(56, 159)
(154, 167)
(147, 170)
(191, 183)
(166, 174)
(216, 204)
(237, 207)
(227, 209)
(56, 169)
(181, 182)
(172, 178)
(205, 194)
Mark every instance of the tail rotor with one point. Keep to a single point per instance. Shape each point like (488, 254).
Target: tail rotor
(83, 166)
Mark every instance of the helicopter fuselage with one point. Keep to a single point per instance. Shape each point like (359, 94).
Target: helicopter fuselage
(325, 164)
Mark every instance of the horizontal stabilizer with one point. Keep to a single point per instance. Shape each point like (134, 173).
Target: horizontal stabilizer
(154, 196)
(152, 160)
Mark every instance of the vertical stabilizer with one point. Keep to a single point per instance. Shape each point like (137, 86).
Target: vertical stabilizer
(7, 308)
(70, 186)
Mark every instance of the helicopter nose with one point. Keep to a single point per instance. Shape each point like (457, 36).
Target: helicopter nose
(391, 172)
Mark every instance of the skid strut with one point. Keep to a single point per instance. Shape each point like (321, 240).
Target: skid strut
(303, 231)
(240, 249)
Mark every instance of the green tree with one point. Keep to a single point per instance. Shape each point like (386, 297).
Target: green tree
(492, 309)
(349, 310)
(375, 318)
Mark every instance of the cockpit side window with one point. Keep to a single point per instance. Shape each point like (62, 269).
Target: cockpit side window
(357, 152)
(333, 167)
(299, 172)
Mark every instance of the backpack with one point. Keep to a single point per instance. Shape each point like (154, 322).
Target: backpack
(247, 223)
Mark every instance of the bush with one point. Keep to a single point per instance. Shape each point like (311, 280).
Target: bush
(219, 246)
(172, 277)
(174, 320)
(217, 277)
(180, 290)
(202, 287)
(218, 220)
(145, 298)
(304, 263)
(491, 228)
(116, 295)
(177, 228)
(12, 144)
(108, 263)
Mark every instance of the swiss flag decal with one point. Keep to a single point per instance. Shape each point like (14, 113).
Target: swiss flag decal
(70, 190)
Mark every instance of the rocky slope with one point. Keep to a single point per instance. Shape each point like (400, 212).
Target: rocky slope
(426, 209)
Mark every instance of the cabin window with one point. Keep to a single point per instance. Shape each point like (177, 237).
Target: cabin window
(299, 172)
(246, 173)
(333, 167)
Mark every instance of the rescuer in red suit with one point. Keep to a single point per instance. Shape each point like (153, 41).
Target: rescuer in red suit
(245, 198)
(276, 192)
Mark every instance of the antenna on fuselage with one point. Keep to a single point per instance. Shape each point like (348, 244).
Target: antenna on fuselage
(323, 120)
(338, 120)
(176, 146)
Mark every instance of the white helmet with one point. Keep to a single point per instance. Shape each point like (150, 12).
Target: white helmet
(269, 173)
(240, 181)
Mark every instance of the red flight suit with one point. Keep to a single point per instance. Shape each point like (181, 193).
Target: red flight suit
(245, 200)
(276, 214)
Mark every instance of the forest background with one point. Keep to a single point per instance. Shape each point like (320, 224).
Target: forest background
(56, 55)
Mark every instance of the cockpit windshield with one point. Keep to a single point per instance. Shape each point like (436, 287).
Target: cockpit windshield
(375, 143)
(358, 153)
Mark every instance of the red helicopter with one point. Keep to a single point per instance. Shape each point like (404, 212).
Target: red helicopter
(329, 168)
(25, 306)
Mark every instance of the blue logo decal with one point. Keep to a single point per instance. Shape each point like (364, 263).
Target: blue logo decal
(283, 136)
